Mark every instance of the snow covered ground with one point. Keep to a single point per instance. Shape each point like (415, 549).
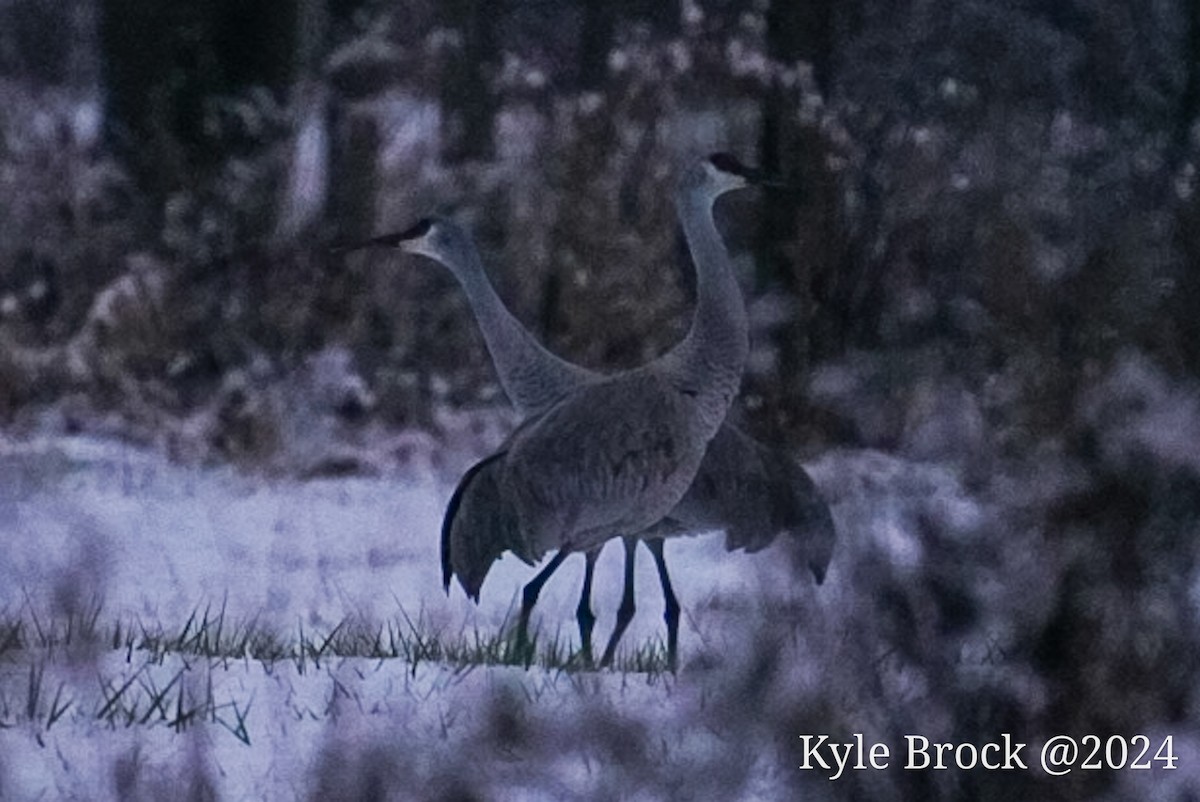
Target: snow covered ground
(85, 520)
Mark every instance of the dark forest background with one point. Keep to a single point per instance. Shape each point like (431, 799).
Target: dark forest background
(996, 197)
(991, 264)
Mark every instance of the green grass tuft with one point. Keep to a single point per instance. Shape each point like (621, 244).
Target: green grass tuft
(166, 676)
(210, 632)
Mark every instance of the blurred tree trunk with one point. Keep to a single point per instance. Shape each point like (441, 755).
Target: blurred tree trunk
(144, 63)
(599, 29)
(663, 15)
(803, 32)
(853, 295)
(801, 241)
(1187, 215)
(596, 39)
(354, 184)
(166, 62)
(1189, 107)
(49, 44)
(303, 199)
(468, 103)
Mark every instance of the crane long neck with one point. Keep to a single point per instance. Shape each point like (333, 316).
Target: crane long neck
(715, 349)
(532, 377)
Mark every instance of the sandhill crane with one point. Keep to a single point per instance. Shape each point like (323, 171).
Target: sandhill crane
(750, 491)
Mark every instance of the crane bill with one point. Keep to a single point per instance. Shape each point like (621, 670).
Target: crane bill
(393, 240)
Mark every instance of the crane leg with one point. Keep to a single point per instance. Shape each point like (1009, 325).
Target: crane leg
(627, 608)
(529, 597)
(672, 604)
(583, 613)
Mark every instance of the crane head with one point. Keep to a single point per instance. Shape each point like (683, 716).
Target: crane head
(436, 237)
(406, 240)
(723, 172)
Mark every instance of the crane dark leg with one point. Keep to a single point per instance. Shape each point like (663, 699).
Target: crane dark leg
(583, 613)
(672, 604)
(627, 608)
(529, 597)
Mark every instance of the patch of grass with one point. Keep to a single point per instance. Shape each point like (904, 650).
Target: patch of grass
(167, 674)
(139, 699)
(78, 626)
(209, 632)
(34, 697)
(650, 659)
(10, 636)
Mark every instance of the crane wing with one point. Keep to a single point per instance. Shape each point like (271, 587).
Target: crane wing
(755, 494)
(611, 460)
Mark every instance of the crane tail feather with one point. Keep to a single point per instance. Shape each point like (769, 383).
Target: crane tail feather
(478, 527)
(452, 510)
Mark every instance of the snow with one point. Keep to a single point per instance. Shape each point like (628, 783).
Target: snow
(157, 542)
(764, 656)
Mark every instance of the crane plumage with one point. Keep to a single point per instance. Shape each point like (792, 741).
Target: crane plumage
(615, 455)
(752, 492)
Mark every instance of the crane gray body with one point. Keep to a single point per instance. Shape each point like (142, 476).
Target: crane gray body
(752, 492)
(646, 451)
(576, 483)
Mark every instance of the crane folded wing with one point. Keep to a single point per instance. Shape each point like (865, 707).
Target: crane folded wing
(805, 520)
(756, 493)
